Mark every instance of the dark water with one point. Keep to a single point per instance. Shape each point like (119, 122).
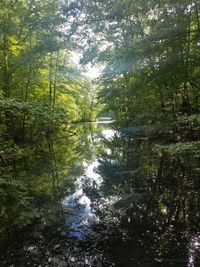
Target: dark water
(101, 197)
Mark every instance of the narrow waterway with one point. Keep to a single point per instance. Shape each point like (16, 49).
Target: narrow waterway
(105, 198)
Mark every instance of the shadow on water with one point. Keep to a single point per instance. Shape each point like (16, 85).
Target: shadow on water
(103, 197)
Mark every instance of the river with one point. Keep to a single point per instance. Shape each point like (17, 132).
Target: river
(100, 196)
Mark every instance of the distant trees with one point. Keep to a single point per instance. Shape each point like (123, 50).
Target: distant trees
(150, 49)
(151, 52)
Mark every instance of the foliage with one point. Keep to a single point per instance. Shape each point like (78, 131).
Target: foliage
(40, 89)
(151, 53)
(182, 149)
(34, 179)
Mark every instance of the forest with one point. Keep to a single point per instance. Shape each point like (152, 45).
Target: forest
(99, 133)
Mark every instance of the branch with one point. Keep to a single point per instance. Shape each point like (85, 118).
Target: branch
(194, 85)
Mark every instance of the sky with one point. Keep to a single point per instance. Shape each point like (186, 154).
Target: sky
(90, 71)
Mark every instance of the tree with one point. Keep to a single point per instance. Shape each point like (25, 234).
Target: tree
(151, 54)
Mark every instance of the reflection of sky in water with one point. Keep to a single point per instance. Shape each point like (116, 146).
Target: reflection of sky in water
(109, 151)
(92, 175)
(108, 134)
(104, 120)
(194, 248)
(82, 213)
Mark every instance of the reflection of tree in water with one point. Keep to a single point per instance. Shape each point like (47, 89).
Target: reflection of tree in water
(145, 204)
(157, 227)
(37, 183)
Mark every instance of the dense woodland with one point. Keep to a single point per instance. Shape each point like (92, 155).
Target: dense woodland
(40, 86)
(150, 51)
(149, 54)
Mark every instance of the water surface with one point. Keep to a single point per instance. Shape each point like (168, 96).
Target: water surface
(99, 196)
